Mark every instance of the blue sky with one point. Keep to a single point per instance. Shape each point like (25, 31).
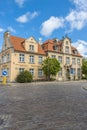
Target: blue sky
(46, 19)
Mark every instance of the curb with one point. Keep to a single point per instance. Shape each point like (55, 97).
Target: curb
(85, 88)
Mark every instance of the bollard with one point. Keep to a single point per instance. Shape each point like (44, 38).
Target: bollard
(4, 80)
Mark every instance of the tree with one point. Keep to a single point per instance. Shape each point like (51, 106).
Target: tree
(50, 66)
(24, 76)
(84, 67)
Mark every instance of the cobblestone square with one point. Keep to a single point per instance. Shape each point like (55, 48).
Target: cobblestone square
(44, 106)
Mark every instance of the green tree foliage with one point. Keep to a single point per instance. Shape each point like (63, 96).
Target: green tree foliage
(24, 76)
(84, 67)
(50, 66)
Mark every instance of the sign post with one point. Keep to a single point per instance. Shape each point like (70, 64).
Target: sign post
(4, 74)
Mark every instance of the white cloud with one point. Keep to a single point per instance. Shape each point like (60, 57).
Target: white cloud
(80, 4)
(1, 30)
(50, 25)
(76, 20)
(26, 17)
(82, 47)
(20, 2)
(11, 29)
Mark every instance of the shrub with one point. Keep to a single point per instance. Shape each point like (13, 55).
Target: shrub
(24, 77)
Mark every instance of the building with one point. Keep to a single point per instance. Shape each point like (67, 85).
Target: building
(68, 56)
(20, 54)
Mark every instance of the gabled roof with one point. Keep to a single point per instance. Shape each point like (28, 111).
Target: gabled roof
(49, 44)
(18, 45)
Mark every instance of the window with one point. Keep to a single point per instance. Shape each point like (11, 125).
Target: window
(60, 73)
(67, 60)
(4, 59)
(66, 49)
(32, 71)
(40, 59)
(53, 56)
(75, 52)
(74, 71)
(78, 71)
(55, 48)
(31, 59)
(8, 57)
(21, 57)
(31, 47)
(21, 69)
(73, 61)
(60, 59)
(78, 61)
(66, 42)
(40, 72)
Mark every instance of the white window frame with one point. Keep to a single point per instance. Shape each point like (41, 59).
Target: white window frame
(21, 57)
(31, 70)
(31, 59)
(40, 59)
(21, 69)
(31, 47)
(40, 73)
(78, 61)
(73, 61)
(66, 49)
(53, 56)
(60, 59)
(67, 60)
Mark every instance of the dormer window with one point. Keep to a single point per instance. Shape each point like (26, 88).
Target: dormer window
(31, 47)
(55, 48)
(75, 52)
(66, 49)
(66, 42)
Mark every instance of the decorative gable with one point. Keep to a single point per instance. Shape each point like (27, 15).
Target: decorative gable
(67, 46)
(31, 45)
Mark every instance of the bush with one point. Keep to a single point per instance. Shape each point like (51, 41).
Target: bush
(24, 77)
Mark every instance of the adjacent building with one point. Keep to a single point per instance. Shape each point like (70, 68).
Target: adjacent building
(20, 54)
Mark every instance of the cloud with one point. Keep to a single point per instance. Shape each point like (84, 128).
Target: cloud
(80, 4)
(50, 25)
(27, 17)
(81, 46)
(1, 30)
(76, 20)
(20, 2)
(11, 29)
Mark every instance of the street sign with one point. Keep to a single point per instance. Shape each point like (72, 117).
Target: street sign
(4, 73)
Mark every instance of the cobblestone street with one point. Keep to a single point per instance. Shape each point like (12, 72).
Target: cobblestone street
(44, 106)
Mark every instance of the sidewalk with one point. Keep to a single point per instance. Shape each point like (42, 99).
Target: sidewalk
(37, 83)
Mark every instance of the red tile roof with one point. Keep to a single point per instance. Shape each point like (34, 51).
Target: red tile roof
(18, 45)
(48, 46)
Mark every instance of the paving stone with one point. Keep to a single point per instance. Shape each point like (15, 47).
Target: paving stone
(40, 106)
